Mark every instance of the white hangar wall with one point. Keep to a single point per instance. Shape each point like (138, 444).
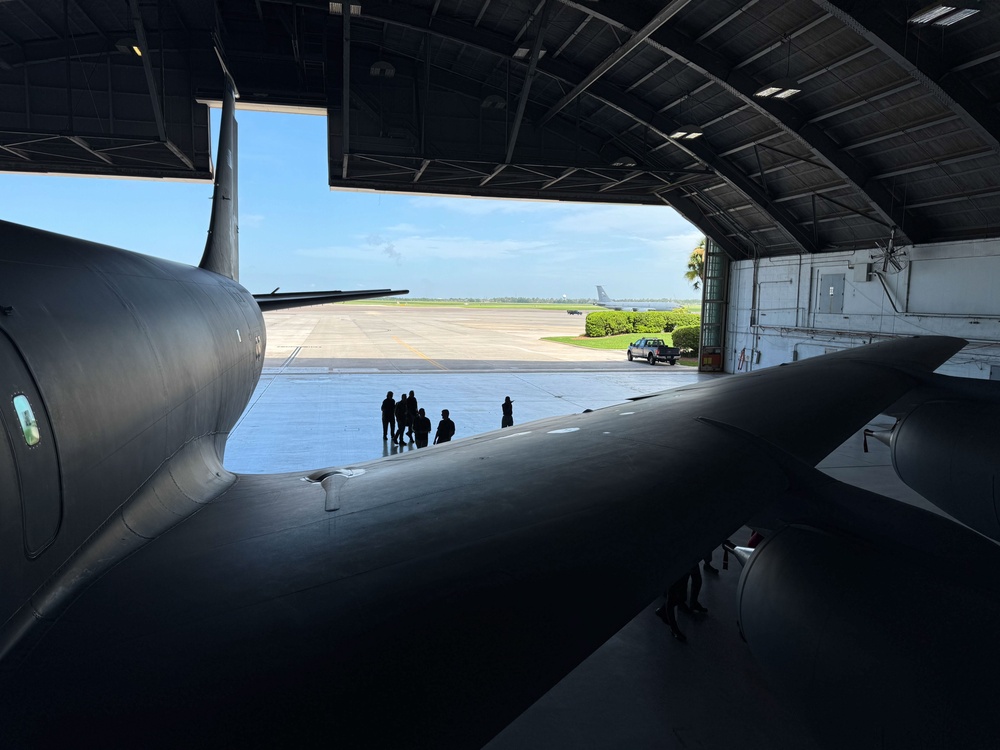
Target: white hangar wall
(789, 308)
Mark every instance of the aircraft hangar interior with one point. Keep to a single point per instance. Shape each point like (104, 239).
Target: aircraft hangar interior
(842, 158)
(841, 155)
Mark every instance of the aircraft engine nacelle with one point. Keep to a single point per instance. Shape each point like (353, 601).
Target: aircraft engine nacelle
(872, 642)
(949, 452)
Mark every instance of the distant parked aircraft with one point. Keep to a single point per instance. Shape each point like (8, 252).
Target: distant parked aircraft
(605, 301)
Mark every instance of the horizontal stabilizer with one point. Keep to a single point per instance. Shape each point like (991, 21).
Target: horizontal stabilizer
(286, 300)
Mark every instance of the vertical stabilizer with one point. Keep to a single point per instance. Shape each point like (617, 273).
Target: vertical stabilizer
(222, 249)
(602, 296)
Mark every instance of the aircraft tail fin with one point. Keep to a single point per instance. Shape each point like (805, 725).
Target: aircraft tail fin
(222, 248)
(602, 296)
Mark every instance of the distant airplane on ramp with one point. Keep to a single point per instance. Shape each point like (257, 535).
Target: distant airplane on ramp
(605, 301)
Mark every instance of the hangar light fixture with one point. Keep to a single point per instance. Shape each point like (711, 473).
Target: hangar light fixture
(522, 52)
(337, 9)
(623, 161)
(129, 47)
(687, 132)
(780, 89)
(494, 101)
(382, 69)
(940, 14)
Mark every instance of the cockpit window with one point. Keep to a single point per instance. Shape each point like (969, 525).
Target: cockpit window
(25, 415)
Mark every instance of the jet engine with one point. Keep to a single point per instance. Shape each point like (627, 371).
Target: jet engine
(873, 639)
(949, 452)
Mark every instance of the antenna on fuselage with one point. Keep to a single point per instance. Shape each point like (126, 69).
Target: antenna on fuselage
(222, 248)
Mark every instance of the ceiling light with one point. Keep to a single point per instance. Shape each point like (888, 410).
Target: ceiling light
(522, 52)
(957, 16)
(382, 69)
(623, 161)
(494, 101)
(128, 47)
(687, 132)
(943, 15)
(337, 9)
(780, 89)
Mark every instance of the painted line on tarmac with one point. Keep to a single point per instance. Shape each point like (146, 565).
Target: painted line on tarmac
(419, 353)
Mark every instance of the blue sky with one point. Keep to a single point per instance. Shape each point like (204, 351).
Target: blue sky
(297, 234)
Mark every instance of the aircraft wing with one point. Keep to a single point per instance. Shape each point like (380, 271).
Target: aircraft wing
(285, 300)
(426, 599)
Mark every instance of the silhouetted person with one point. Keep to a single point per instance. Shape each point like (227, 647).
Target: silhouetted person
(693, 605)
(400, 412)
(707, 562)
(389, 417)
(675, 597)
(445, 430)
(422, 428)
(411, 414)
(508, 413)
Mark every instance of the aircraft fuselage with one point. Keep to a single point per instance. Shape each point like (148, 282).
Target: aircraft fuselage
(152, 361)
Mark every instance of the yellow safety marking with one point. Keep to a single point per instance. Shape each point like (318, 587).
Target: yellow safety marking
(418, 353)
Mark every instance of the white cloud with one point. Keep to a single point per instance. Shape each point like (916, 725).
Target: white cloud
(482, 206)
(659, 221)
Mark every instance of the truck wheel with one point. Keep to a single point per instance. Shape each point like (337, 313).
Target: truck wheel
(652, 359)
(629, 355)
(673, 361)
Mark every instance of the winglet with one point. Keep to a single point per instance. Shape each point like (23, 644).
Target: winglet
(222, 248)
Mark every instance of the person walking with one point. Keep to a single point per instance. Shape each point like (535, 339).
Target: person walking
(400, 412)
(508, 413)
(422, 428)
(445, 430)
(388, 417)
(411, 414)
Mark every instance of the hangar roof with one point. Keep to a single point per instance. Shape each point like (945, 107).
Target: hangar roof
(895, 127)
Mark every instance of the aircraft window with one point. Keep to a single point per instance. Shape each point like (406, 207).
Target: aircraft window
(25, 415)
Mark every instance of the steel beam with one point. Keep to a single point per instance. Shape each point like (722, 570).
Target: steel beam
(665, 14)
(628, 105)
(727, 75)
(529, 77)
(869, 20)
(147, 66)
(705, 223)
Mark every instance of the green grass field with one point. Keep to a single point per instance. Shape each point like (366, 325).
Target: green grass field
(407, 302)
(404, 302)
(607, 342)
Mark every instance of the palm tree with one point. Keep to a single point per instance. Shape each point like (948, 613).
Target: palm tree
(696, 265)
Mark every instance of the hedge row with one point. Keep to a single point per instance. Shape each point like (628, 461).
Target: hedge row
(687, 337)
(614, 322)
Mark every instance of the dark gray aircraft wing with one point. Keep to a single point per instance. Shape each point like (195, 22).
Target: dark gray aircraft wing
(285, 300)
(426, 599)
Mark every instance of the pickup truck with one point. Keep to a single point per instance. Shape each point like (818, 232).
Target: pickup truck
(653, 351)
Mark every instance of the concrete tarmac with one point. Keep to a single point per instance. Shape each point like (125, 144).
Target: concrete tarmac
(326, 372)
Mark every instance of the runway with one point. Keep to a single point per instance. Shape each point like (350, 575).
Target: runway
(326, 372)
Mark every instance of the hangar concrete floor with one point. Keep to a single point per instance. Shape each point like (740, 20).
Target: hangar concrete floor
(326, 373)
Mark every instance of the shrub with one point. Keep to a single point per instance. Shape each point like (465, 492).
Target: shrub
(645, 322)
(687, 337)
(678, 319)
(606, 323)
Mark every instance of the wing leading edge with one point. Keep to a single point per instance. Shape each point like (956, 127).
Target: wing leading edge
(450, 588)
(285, 300)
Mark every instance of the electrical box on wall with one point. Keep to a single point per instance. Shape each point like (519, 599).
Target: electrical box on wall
(862, 272)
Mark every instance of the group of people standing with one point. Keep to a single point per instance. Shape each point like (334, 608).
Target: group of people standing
(405, 417)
